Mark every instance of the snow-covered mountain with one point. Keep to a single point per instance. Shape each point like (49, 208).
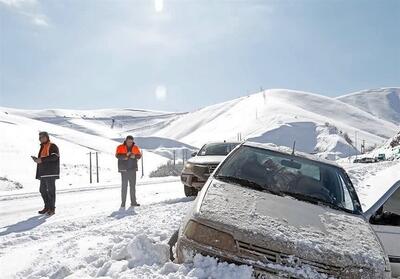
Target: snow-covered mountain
(317, 123)
(383, 103)
(105, 122)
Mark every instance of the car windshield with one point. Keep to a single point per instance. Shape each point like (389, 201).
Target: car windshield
(217, 149)
(288, 175)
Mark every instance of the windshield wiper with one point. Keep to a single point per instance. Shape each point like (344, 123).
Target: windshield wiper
(247, 183)
(315, 200)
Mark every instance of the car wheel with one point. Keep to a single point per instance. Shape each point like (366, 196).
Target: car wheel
(190, 191)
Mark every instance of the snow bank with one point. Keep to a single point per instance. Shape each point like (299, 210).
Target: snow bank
(9, 185)
(141, 251)
(208, 267)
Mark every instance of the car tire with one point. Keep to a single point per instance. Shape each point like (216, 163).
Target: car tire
(190, 191)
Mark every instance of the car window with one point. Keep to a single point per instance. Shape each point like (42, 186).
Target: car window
(347, 200)
(290, 175)
(217, 149)
(389, 213)
(393, 203)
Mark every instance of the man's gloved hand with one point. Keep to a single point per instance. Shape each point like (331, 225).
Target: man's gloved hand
(138, 156)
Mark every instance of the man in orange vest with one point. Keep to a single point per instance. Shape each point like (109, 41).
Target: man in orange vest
(47, 171)
(128, 155)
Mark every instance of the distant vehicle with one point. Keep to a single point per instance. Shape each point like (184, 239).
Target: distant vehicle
(365, 160)
(281, 213)
(198, 169)
(381, 157)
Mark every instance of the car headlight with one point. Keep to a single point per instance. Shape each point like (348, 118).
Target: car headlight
(208, 236)
(189, 167)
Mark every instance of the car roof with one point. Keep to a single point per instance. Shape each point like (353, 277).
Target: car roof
(221, 142)
(288, 151)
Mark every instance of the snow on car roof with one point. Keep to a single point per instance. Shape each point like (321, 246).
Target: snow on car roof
(288, 151)
(228, 142)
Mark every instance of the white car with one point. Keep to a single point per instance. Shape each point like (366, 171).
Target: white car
(282, 212)
(384, 217)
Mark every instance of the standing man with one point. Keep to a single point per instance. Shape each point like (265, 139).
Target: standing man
(128, 155)
(47, 171)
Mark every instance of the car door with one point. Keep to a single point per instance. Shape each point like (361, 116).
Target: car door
(384, 218)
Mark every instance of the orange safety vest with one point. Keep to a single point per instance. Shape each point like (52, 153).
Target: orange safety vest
(45, 150)
(123, 150)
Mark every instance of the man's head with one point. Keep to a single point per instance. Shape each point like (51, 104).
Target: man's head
(129, 141)
(44, 137)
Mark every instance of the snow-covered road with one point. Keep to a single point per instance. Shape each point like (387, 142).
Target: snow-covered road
(89, 237)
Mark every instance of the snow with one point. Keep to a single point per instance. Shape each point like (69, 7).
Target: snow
(91, 237)
(317, 123)
(282, 116)
(374, 186)
(391, 149)
(372, 180)
(383, 103)
(19, 141)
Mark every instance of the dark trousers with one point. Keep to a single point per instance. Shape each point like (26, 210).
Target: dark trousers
(48, 191)
(128, 176)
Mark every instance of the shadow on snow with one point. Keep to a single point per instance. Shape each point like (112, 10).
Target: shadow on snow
(23, 226)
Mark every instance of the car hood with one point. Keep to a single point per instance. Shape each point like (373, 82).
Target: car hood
(206, 159)
(292, 227)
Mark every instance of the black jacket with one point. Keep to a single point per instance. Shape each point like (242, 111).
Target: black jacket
(50, 166)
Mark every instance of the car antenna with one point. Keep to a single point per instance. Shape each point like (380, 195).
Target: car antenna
(294, 146)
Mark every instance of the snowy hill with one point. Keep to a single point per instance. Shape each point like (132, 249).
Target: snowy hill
(318, 124)
(19, 140)
(391, 149)
(383, 103)
(113, 123)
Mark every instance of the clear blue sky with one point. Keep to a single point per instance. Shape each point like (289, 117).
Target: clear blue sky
(96, 54)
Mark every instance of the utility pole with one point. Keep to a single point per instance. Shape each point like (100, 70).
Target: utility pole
(90, 167)
(174, 157)
(363, 147)
(97, 166)
(142, 165)
(356, 143)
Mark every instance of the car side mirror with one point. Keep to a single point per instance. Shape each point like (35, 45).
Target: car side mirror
(194, 154)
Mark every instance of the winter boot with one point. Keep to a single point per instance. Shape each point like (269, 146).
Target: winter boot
(135, 204)
(51, 212)
(43, 211)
